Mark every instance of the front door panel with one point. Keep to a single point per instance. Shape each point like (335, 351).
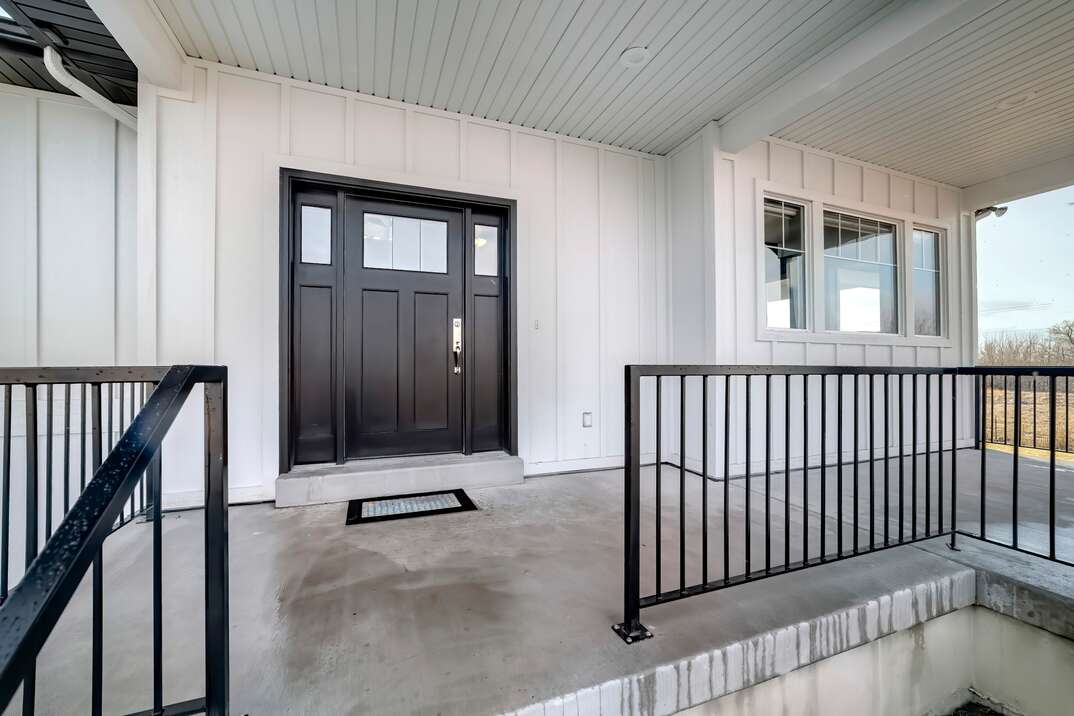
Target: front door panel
(403, 287)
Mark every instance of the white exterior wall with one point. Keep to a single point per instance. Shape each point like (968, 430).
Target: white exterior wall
(717, 313)
(590, 252)
(67, 266)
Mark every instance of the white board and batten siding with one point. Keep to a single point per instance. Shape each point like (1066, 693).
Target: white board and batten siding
(590, 251)
(67, 261)
(716, 304)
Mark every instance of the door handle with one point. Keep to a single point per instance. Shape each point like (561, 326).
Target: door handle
(456, 342)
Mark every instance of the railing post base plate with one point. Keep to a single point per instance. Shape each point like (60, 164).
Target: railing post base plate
(632, 633)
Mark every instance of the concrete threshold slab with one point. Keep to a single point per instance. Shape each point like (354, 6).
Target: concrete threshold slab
(739, 664)
(320, 484)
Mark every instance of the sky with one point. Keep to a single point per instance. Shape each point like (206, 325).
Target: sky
(1025, 264)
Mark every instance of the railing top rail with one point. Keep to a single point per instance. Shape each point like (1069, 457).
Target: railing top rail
(101, 374)
(659, 370)
(34, 606)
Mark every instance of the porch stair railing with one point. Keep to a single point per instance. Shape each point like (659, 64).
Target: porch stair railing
(125, 482)
(857, 465)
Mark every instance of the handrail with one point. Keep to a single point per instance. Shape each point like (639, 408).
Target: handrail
(101, 374)
(34, 606)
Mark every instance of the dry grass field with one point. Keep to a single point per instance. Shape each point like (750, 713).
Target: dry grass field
(999, 414)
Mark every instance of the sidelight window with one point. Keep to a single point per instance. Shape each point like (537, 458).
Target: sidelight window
(784, 264)
(403, 243)
(316, 235)
(486, 250)
(926, 275)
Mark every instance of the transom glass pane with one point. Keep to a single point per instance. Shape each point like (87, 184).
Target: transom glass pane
(316, 235)
(486, 250)
(403, 243)
(927, 306)
(861, 274)
(784, 264)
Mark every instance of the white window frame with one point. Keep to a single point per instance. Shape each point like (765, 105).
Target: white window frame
(943, 265)
(807, 253)
(816, 331)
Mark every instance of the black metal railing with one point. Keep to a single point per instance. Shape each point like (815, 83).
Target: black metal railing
(810, 465)
(1001, 402)
(120, 453)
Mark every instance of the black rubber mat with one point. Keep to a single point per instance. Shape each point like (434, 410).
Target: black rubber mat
(399, 507)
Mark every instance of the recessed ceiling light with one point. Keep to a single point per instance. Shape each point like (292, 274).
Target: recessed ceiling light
(634, 57)
(1016, 99)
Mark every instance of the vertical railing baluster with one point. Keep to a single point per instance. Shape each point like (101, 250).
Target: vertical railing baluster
(805, 468)
(857, 432)
(48, 462)
(1034, 379)
(726, 478)
(29, 680)
(984, 456)
(66, 448)
(786, 471)
(839, 466)
(887, 457)
(704, 479)
(823, 466)
(902, 457)
(1005, 435)
(659, 491)
(5, 495)
(97, 658)
(913, 453)
(154, 474)
(872, 461)
(939, 452)
(954, 457)
(928, 454)
(1014, 466)
(141, 483)
(768, 475)
(682, 483)
(749, 514)
(82, 439)
(1051, 467)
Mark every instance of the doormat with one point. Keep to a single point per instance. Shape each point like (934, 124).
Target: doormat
(398, 507)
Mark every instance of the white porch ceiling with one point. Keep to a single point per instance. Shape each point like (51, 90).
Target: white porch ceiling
(993, 97)
(547, 64)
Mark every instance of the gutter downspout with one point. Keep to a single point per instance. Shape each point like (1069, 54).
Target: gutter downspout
(54, 64)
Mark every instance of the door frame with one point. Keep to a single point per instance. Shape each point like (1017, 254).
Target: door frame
(398, 192)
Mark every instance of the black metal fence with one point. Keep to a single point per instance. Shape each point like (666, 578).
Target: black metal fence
(1026, 402)
(774, 469)
(101, 468)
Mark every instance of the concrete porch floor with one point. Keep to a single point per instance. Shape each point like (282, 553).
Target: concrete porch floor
(467, 613)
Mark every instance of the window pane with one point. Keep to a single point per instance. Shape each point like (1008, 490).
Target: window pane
(848, 237)
(831, 233)
(869, 231)
(931, 247)
(792, 227)
(316, 235)
(784, 264)
(926, 303)
(377, 241)
(861, 276)
(773, 222)
(785, 288)
(434, 246)
(885, 244)
(404, 243)
(486, 250)
(919, 260)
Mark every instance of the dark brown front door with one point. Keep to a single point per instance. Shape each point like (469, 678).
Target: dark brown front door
(397, 328)
(404, 289)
